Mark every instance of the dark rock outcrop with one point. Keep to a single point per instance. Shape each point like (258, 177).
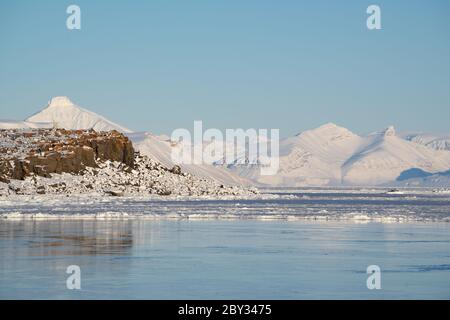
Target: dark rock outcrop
(46, 151)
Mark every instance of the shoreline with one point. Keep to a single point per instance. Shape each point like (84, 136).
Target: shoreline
(326, 206)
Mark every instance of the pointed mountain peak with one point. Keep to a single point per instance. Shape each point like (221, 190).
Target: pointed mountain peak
(328, 131)
(62, 112)
(60, 101)
(331, 129)
(389, 132)
(328, 125)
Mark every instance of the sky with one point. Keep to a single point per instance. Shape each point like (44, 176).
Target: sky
(291, 65)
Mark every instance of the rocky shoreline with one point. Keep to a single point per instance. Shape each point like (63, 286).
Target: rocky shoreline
(59, 161)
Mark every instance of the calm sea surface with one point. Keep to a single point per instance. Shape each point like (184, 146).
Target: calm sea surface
(219, 256)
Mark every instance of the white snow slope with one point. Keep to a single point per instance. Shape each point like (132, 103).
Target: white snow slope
(160, 149)
(332, 155)
(12, 124)
(438, 142)
(383, 156)
(63, 113)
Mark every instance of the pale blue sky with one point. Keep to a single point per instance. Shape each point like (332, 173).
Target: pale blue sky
(160, 65)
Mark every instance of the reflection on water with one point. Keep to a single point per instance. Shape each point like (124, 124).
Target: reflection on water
(55, 238)
(209, 259)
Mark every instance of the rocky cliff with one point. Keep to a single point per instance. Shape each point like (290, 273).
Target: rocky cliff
(58, 161)
(45, 151)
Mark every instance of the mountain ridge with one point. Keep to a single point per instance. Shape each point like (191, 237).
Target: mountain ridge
(329, 155)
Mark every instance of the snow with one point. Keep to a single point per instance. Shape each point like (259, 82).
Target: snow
(12, 124)
(160, 149)
(329, 155)
(63, 113)
(437, 142)
(117, 179)
(383, 156)
(313, 157)
(333, 155)
(354, 204)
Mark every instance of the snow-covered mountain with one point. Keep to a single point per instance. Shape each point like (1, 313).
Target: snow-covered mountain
(383, 156)
(332, 155)
(438, 142)
(313, 157)
(63, 113)
(317, 155)
(326, 156)
(12, 124)
(160, 149)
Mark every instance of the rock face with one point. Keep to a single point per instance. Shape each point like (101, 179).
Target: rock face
(148, 178)
(74, 162)
(45, 151)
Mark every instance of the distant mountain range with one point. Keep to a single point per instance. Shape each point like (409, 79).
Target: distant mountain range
(332, 155)
(326, 156)
(438, 142)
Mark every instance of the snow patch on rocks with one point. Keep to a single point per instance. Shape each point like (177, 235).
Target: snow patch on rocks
(148, 177)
